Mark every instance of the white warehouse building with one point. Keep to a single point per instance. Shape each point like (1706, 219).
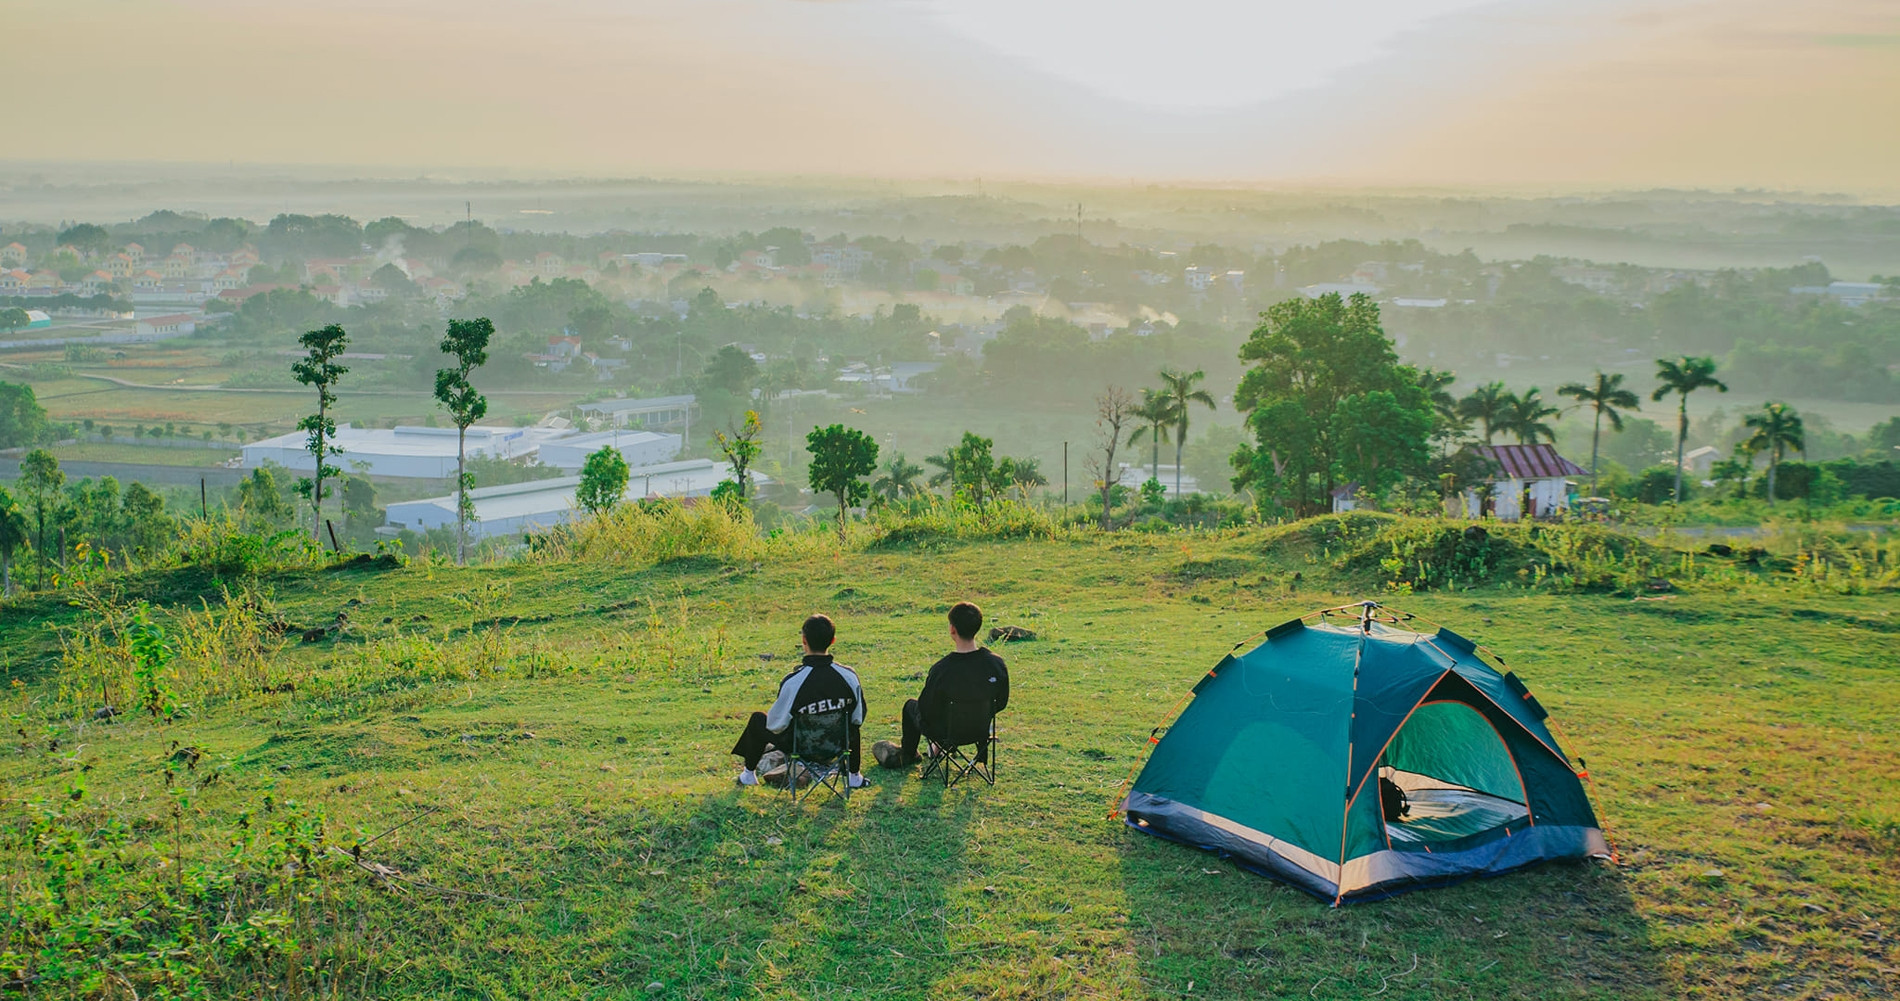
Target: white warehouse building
(542, 504)
(639, 448)
(418, 452)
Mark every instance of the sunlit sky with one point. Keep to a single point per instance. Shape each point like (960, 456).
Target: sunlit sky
(1528, 93)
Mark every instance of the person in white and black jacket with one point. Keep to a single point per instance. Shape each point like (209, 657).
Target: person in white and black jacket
(819, 685)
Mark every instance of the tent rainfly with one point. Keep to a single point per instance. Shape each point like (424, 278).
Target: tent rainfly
(1363, 760)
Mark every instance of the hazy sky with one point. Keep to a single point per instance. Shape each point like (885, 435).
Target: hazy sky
(1539, 94)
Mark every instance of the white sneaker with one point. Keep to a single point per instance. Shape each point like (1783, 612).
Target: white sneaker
(857, 780)
(747, 777)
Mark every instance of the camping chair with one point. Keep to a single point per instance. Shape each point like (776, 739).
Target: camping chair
(966, 724)
(820, 749)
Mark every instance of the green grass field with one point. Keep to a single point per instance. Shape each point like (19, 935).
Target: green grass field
(544, 745)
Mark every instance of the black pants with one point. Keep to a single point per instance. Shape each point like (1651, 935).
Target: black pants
(756, 738)
(914, 731)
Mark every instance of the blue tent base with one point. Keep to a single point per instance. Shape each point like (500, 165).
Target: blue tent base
(1370, 877)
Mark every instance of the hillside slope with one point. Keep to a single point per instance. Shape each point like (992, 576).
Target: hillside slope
(538, 752)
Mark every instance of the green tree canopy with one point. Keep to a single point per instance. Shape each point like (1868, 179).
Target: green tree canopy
(841, 458)
(603, 480)
(22, 419)
(732, 370)
(1309, 358)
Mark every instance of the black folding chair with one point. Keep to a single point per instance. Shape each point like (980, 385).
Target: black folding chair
(966, 725)
(819, 755)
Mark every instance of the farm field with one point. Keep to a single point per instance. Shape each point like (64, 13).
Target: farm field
(544, 745)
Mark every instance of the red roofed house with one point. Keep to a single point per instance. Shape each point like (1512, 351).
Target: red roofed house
(1527, 481)
(236, 297)
(12, 255)
(12, 281)
(95, 283)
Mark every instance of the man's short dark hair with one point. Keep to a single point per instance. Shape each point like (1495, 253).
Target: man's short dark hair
(819, 632)
(966, 619)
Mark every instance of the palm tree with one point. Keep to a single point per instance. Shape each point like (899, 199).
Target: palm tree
(1527, 418)
(1491, 405)
(1025, 475)
(1775, 429)
(899, 480)
(1683, 376)
(1178, 389)
(1436, 386)
(1605, 396)
(1153, 415)
(946, 474)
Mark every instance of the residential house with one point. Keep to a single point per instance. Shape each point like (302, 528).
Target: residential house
(177, 266)
(43, 282)
(1700, 461)
(96, 283)
(231, 278)
(1525, 481)
(148, 281)
(135, 252)
(11, 282)
(177, 324)
(548, 264)
(12, 255)
(1198, 278)
(121, 266)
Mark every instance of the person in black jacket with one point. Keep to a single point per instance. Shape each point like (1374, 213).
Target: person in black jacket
(970, 674)
(819, 685)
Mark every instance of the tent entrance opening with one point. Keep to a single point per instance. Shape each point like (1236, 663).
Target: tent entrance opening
(1458, 777)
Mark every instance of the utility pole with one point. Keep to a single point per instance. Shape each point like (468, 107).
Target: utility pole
(1065, 474)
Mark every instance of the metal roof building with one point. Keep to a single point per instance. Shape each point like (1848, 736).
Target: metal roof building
(658, 411)
(418, 452)
(639, 448)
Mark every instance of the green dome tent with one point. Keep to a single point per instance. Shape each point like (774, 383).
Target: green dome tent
(1362, 760)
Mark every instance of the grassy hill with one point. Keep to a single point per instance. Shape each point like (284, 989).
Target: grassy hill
(512, 780)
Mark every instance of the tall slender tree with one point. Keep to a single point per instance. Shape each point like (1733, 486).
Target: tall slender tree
(1179, 389)
(467, 342)
(318, 368)
(1527, 418)
(1492, 406)
(1683, 376)
(12, 537)
(1113, 409)
(1608, 399)
(1153, 415)
(1774, 429)
(740, 445)
(41, 478)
